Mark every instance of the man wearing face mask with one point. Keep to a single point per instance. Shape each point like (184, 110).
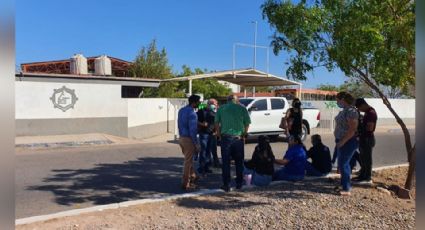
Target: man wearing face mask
(207, 137)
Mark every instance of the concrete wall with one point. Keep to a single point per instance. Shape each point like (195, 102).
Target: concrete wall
(98, 108)
(149, 117)
(405, 108)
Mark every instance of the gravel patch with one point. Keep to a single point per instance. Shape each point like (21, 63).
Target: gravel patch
(300, 205)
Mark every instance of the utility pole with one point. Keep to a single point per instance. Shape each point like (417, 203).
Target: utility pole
(255, 44)
(255, 52)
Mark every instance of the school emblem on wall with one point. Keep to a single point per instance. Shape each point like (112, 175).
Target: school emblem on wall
(64, 98)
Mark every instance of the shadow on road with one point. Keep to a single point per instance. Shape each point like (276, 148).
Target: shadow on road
(111, 183)
(151, 178)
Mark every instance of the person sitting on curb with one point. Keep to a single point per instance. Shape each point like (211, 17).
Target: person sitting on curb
(320, 156)
(259, 170)
(294, 161)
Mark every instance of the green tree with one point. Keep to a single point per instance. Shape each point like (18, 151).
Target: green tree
(360, 89)
(369, 40)
(328, 87)
(209, 87)
(356, 88)
(153, 63)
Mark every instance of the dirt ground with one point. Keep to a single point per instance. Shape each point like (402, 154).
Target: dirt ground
(301, 205)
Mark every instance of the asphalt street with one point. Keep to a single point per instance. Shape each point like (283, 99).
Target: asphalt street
(53, 180)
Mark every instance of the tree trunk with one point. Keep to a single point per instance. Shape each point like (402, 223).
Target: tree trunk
(412, 167)
(411, 152)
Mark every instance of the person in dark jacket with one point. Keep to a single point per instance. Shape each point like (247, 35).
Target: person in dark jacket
(320, 156)
(261, 165)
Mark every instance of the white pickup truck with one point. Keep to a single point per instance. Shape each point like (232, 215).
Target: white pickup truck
(266, 112)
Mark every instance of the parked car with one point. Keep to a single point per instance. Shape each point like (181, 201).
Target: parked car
(266, 112)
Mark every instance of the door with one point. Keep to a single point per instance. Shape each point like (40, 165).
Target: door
(259, 116)
(276, 113)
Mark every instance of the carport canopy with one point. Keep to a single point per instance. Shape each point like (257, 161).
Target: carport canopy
(242, 77)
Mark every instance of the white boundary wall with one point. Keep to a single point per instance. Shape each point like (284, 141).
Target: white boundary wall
(405, 108)
(32, 101)
(144, 111)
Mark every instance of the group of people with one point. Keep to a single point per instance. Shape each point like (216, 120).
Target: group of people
(199, 130)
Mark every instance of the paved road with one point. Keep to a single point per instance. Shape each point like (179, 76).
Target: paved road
(48, 181)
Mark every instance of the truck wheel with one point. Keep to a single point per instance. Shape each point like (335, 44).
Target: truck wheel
(304, 132)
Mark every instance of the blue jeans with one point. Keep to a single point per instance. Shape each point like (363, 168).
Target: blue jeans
(281, 174)
(312, 171)
(205, 154)
(345, 153)
(234, 147)
(258, 179)
(353, 161)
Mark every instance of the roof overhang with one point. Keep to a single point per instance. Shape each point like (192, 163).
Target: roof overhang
(70, 78)
(243, 77)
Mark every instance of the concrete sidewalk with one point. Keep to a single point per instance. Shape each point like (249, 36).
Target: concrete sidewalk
(94, 139)
(57, 141)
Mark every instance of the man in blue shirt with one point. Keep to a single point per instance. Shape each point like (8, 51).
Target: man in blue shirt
(188, 128)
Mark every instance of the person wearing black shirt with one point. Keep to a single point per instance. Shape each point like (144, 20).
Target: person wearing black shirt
(366, 139)
(321, 158)
(207, 137)
(261, 165)
(294, 117)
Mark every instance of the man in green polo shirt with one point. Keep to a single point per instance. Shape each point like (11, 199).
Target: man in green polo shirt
(232, 121)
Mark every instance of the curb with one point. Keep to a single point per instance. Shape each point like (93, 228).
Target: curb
(75, 212)
(63, 144)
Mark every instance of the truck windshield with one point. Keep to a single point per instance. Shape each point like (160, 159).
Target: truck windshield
(245, 101)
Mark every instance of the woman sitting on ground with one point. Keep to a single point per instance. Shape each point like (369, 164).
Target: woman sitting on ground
(261, 166)
(320, 156)
(294, 161)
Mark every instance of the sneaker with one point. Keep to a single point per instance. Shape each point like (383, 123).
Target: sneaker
(226, 188)
(365, 181)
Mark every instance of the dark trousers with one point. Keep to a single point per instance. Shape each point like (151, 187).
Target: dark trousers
(366, 146)
(232, 147)
(213, 148)
(205, 154)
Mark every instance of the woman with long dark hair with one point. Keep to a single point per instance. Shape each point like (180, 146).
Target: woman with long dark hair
(294, 117)
(261, 166)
